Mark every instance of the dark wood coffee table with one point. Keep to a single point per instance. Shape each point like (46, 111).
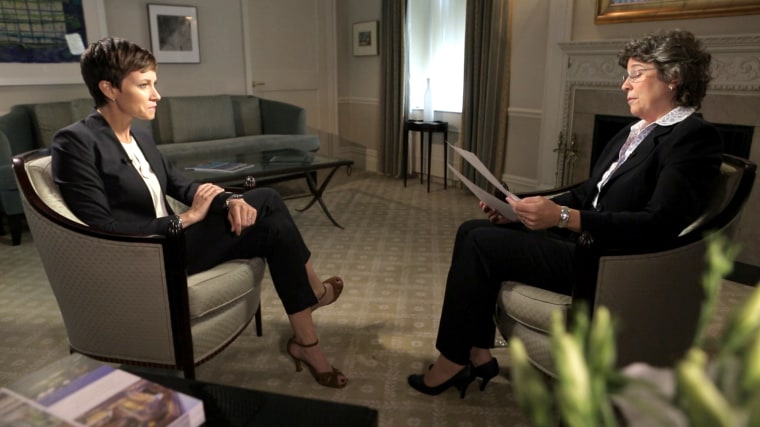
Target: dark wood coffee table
(270, 167)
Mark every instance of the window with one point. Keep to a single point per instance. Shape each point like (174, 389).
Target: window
(436, 50)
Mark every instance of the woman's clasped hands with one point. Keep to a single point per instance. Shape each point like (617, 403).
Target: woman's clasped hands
(240, 214)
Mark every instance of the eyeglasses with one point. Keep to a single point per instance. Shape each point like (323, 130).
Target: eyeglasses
(636, 74)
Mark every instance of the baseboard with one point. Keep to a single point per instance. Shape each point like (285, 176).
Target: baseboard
(746, 274)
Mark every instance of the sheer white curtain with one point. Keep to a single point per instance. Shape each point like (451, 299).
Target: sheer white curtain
(436, 31)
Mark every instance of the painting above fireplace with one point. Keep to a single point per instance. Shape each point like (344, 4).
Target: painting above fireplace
(618, 11)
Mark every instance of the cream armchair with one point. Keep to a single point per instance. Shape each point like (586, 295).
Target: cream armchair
(127, 299)
(655, 296)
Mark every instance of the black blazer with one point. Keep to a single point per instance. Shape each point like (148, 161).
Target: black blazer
(659, 190)
(100, 185)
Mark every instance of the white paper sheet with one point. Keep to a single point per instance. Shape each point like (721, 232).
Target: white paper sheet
(472, 159)
(492, 201)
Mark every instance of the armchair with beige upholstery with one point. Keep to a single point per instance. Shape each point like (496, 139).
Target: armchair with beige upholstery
(127, 298)
(655, 296)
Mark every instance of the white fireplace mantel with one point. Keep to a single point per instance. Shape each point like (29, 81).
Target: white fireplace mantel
(593, 64)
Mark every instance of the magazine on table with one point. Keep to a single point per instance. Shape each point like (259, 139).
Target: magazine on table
(17, 410)
(219, 166)
(288, 155)
(500, 205)
(85, 392)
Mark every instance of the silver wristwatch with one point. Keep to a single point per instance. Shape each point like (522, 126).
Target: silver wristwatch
(564, 217)
(232, 197)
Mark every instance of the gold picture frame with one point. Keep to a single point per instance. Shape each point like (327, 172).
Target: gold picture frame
(618, 11)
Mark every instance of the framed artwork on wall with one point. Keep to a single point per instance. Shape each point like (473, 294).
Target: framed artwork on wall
(174, 33)
(618, 11)
(365, 38)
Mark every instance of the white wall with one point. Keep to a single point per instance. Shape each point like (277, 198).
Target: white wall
(220, 30)
(359, 82)
(529, 21)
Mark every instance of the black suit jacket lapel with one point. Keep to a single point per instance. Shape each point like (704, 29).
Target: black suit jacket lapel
(99, 126)
(610, 154)
(642, 152)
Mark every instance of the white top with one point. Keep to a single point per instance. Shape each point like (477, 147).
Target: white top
(151, 180)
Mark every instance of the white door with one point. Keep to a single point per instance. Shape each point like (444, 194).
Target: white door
(291, 56)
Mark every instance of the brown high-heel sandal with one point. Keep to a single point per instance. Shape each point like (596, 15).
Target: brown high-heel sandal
(327, 379)
(337, 285)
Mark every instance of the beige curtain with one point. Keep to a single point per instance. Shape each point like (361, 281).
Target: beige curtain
(486, 84)
(394, 86)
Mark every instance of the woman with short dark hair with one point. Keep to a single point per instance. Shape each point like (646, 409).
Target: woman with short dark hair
(112, 176)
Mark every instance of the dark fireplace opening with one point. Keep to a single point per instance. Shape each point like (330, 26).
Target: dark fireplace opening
(737, 140)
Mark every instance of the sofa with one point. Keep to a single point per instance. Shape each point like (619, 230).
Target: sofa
(184, 125)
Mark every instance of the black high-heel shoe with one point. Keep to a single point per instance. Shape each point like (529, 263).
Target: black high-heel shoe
(461, 380)
(486, 372)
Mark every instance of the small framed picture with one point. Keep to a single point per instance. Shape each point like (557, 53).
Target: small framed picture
(365, 38)
(174, 33)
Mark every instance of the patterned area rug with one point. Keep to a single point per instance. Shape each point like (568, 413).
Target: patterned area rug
(393, 255)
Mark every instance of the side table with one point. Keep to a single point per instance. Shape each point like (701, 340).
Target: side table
(430, 128)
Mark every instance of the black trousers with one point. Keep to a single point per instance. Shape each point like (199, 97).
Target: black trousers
(485, 255)
(274, 236)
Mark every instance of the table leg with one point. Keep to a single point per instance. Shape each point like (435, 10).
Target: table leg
(430, 156)
(445, 158)
(316, 193)
(405, 153)
(422, 154)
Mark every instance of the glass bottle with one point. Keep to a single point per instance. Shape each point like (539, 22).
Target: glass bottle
(427, 114)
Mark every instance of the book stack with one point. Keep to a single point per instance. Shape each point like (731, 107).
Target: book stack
(78, 391)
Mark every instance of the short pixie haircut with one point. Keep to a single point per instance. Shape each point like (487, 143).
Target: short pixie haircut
(111, 59)
(677, 55)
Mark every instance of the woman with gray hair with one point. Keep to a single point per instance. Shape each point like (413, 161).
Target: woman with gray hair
(648, 185)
